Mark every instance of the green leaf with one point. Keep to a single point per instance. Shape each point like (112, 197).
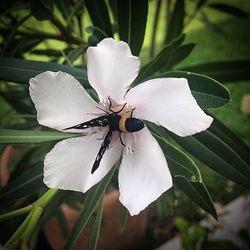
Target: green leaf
(159, 61)
(95, 230)
(223, 71)
(64, 7)
(231, 139)
(123, 218)
(96, 35)
(132, 19)
(165, 205)
(60, 197)
(18, 98)
(199, 4)
(99, 15)
(62, 221)
(180, 54)
(74, 54)
(217, 154)
(78, 7)
(208, 92)
(22, 45)
(179, 163)
(48, 52)
(21, 136)
(42, 9)
(229, 9)
(20, 71)
(24, 184)
(113, 7)
(92, 198)
(198, 193)
(176, 21)
(7, 41)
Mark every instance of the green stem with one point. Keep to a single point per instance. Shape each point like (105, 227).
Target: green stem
(34, 237)
(26, 229)
(15, 213)
(11, 243)
(36, 214)
(46, 198)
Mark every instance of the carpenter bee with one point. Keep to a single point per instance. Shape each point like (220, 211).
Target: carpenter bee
(116, 122)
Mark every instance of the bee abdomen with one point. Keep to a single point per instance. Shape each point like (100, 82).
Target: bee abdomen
(131, 124)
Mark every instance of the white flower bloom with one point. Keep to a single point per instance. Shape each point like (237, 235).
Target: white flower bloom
(62, 102)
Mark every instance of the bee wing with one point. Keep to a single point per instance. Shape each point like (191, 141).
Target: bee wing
(96, 122)
(104, 146)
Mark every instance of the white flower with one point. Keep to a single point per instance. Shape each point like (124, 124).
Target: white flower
(62, 102)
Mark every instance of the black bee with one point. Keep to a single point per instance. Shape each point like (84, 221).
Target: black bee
(116, 122)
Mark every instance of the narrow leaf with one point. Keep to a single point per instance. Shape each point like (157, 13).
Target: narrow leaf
(176, 21)
(77, 7)
(231, 139)
(223, 71)
(208, 92)
(95, 230)
(96, 35)
(62, 221)
(211, 149)
(229, 9)
(24, 184)
(179, 163)
(99, 15)
(93, 196)
(123, 218)
(64, 7)
(159, 61)
(20, 71)
(42, 9)
(132, 19)
(21, 136)
(180, 54)
(75, 53)
(199, 4)
(198, 193)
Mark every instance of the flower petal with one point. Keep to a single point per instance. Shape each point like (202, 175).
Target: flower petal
(168, 102)
(143, 174)
(68, 165)
(60, 100)
(111, 68)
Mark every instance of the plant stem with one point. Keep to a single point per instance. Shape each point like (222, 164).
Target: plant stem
(15, 213)
(25, 231)
(11, 242)
(46, 198)
(36, 214)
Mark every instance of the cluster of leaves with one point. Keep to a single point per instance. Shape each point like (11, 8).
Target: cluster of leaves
(218, 147)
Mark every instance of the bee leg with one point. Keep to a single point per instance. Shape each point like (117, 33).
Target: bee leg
(132, 111)
(110, 104)
(121, 140)
(117, 112)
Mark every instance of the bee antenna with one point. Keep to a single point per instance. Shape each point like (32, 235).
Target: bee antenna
(103, 110)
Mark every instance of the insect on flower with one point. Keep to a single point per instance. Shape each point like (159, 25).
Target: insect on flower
(114, 126)
(116, 122)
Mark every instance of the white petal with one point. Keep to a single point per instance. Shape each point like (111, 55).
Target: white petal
(168, 102)
(111, 68)
(60, 100)
(144, 174)
(68, 165)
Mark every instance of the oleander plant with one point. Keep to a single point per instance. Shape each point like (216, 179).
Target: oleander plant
(140, 97)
